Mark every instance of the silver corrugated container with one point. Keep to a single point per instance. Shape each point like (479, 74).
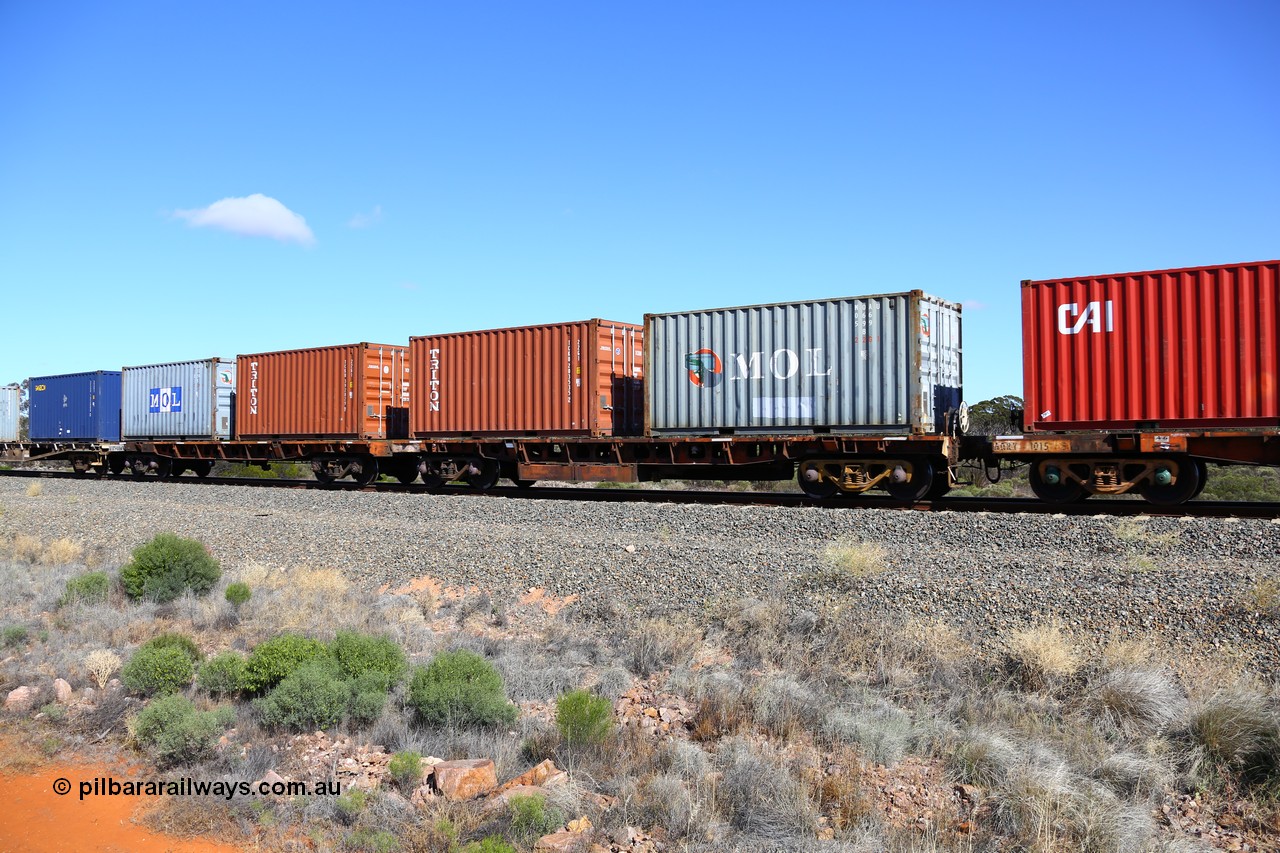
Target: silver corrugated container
(181, 399)
(887, 363)
(10, 400)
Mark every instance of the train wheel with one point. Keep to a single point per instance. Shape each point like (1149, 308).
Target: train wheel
(940, 487)
(202, 468)
(809, 476)
(1204, 478)
(1175, 482)
(368, 471)
(177, 469)
(1050, 486)
(115, 463)
(524, 484)
(917, 486)
(321, 473)
(486, 474)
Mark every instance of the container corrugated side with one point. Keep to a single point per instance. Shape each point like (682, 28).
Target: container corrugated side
(1191, 347)
(181, 399)
(357, 391)
(883, 363)
(576, 378)
(75, 406)
(10, 404)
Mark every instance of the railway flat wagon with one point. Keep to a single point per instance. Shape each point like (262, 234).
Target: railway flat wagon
(75, 407)
(564, 379)
(1133, 382)
(10, 402)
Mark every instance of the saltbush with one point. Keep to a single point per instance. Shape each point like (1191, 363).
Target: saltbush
(89, 588)
(181, 642)
(460, 688)
(531, 818)
(222, 675)
(406, 769)
(178, 733)
(314, 696)
(272, 661)
(237, 594)
(583, 719)
(158, 669)
(364, 655)
(14, 635)
(167, 566)
(368, 697)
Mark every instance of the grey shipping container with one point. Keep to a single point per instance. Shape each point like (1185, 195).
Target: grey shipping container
(888, 363)
(179, 400)
(10, 398)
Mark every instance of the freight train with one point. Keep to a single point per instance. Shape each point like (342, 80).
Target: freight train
(1132, 384)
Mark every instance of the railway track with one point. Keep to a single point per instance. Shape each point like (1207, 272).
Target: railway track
(1117, 507)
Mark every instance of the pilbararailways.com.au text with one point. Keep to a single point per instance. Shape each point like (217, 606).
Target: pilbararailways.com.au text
(107, 786)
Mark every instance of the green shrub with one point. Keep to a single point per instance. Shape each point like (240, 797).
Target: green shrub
(222, 675)
(368, 697)
(165, 669)
(406, 769)
(89, 588)
(181, 642)
(361, 654)
(530, 817)
(460, 688)
(313, 696)
(178, 733)
(237, 594)
(583, 719)
(272, 661)
(347, 808)
(167, 566)
(14, 636)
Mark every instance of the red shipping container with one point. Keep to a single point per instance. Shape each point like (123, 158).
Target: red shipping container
(580, 378)
(356, 391)
(1182, 348)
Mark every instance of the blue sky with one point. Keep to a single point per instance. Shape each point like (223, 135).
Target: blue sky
(403, 169)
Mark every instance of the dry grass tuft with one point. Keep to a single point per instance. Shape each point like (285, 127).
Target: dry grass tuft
(35, 490)
(102, 664)
(1264, 596)
(26, 549)
(846, 563)
(1137, 701)
(1124, 654)
(61, 552)
(1042, 656)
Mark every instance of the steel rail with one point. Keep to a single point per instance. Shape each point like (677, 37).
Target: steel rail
(1105, 506)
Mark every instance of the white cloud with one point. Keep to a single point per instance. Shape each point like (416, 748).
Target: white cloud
(366, 220)
(256, 215)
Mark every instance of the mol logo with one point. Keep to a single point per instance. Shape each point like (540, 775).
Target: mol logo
(166, 401)
(1096, 315)
(706, 369)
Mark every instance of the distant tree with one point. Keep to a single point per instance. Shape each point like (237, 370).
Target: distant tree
(24, 410)
(996, 416)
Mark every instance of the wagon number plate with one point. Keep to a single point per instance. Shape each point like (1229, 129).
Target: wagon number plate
(1033, 446)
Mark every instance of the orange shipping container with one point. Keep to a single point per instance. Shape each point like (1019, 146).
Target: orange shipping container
(580, 378)
(357, 391)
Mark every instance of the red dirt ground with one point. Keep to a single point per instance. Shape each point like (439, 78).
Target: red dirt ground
(36, 819)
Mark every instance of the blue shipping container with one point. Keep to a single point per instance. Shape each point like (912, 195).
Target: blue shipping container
(76, 407)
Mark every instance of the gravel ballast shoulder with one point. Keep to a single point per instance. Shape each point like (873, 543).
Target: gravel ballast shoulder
(1188, 582)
